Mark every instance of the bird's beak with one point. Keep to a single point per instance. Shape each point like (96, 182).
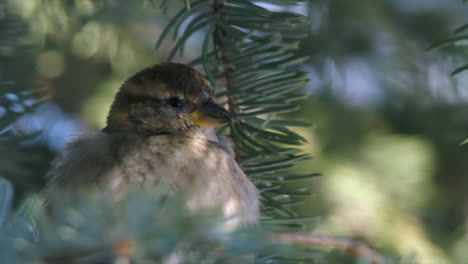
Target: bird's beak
(211, 114)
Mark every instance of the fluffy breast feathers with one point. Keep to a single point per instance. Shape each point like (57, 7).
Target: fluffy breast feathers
(176, 162)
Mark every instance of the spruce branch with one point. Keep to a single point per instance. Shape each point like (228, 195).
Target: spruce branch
(248, 55)
(354, 248)
(251, 63)
(218, 34)
(142, 227)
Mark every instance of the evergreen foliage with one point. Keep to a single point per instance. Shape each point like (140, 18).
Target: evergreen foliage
(248, 55)
(248, 52)
(142, 228)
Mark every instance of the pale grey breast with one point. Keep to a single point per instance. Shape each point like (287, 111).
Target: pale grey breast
(197, 161)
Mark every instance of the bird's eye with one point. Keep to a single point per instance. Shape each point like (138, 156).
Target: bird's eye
(175, 102)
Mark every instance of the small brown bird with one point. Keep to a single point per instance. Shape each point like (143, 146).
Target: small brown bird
(160, 133)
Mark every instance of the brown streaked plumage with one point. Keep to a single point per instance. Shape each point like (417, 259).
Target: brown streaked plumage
(159, 133)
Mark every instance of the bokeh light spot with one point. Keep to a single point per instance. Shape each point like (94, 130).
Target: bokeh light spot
(50, 64)
(85, 7)
(86, 43)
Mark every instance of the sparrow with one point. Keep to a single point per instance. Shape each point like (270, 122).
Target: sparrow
(160, 133)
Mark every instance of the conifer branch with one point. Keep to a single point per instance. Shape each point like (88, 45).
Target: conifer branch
(354, 248)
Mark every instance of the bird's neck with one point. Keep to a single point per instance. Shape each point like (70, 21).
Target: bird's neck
(202, 133)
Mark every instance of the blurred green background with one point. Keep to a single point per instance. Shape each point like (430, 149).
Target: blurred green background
(388, 118)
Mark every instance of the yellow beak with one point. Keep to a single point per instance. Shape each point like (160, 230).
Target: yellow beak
(211, 115)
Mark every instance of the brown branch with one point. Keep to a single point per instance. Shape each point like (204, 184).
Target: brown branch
(227, 72)
(352, 247)
(218, 5)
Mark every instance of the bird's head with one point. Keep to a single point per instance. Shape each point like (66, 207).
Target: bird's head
(165, 98)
